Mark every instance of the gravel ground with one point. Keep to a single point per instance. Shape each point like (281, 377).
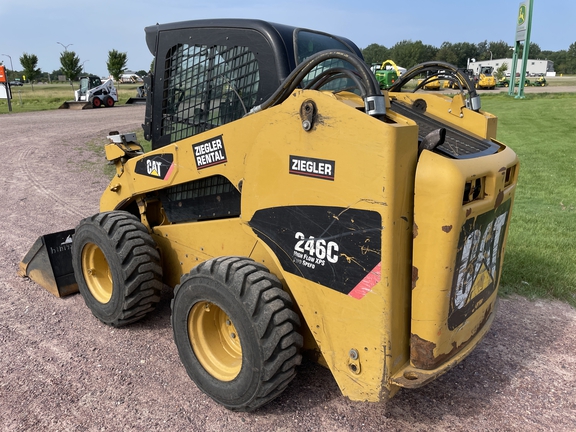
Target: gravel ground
(61, 369)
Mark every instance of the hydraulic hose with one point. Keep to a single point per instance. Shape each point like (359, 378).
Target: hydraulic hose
(371, 93)
(474, 98)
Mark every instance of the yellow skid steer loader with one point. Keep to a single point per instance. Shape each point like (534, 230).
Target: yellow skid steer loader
(296, 208)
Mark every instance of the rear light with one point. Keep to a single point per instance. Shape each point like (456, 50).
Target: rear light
(474, 190)
(510, 174)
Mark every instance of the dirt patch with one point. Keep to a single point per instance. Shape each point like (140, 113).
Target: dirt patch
(61, 369)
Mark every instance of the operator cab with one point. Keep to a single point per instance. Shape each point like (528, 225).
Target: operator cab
(211, 72)
(89, 82)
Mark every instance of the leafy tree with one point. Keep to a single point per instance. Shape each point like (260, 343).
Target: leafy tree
(141, 73)
(70, 65)
(571, 59)
(535, 51)
(116, 64)
(500, 49)
(375, 53)
(447, 54)
(465, 51)
(499, 74)
(29, 63)
(407, 53)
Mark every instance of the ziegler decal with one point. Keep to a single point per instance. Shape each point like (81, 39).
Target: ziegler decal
(157, 166)
(478, 263)
(209, 153)
(334, 246)
(310, 167)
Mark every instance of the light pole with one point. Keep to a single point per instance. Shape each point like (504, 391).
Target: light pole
(83, 64)
(490, 55)
(11, 68)
(65, 46)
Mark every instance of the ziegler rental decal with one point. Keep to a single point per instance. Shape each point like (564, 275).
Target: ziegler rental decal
(337, 247)
(310, 167)
(157, 166)
(209, 153)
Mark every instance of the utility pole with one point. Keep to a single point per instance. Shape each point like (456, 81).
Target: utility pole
(11, 67)
(65, 46)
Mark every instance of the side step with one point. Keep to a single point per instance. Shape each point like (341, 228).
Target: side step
(49, 263)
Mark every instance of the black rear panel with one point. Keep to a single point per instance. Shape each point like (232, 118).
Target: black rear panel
(457, 145)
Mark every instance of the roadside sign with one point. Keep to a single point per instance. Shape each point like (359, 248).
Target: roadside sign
(2, 74)
(5, 91)
(522, 22)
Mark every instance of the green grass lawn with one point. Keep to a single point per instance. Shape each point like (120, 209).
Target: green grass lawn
(541, 252)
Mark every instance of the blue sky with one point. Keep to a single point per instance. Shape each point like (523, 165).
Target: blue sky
(91, 29)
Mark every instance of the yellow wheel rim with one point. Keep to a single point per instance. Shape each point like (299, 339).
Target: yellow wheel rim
(97, 273)
(215, 341)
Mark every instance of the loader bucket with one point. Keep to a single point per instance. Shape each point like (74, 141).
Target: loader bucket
(76, 105)
(136, 100)
(49, 263)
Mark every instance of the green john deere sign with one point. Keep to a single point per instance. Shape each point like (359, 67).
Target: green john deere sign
(522, 14)
(522, 22)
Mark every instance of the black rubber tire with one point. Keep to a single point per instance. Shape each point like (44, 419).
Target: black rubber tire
(261, 314)
(132, 266)
(96, 102)
(108, 102)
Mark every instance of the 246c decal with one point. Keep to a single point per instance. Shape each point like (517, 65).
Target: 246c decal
(337, 247)
(311, 252)
(478, 263)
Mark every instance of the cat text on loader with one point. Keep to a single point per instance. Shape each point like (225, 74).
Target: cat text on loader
(296, 208)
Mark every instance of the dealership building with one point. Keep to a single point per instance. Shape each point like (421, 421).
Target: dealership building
(533, 67)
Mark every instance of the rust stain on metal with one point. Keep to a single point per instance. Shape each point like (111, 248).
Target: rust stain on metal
(422, 351)
(447, 228)
(503, 169)
(468, 212)
(414, 276)
(499, 199)
(414, 230)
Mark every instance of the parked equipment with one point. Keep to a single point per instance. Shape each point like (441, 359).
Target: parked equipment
(93, 93)
(387, 76)
(503, 82)
(433, 80)
(296, 208)
(485, 78)
(455, 83)
(141, 93)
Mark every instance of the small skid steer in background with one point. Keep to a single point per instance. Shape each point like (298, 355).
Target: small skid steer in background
(296, 208)
(93, 93)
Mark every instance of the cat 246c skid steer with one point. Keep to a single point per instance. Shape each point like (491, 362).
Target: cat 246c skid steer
(295, 208)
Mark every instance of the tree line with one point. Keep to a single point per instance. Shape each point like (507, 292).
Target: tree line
(408, 53)
(71, 67)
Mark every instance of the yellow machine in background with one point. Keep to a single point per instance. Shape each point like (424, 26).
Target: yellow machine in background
(485, 78)
(298, 209)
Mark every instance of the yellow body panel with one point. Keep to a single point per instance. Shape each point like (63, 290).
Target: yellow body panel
(348, 167)
(444, 228)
